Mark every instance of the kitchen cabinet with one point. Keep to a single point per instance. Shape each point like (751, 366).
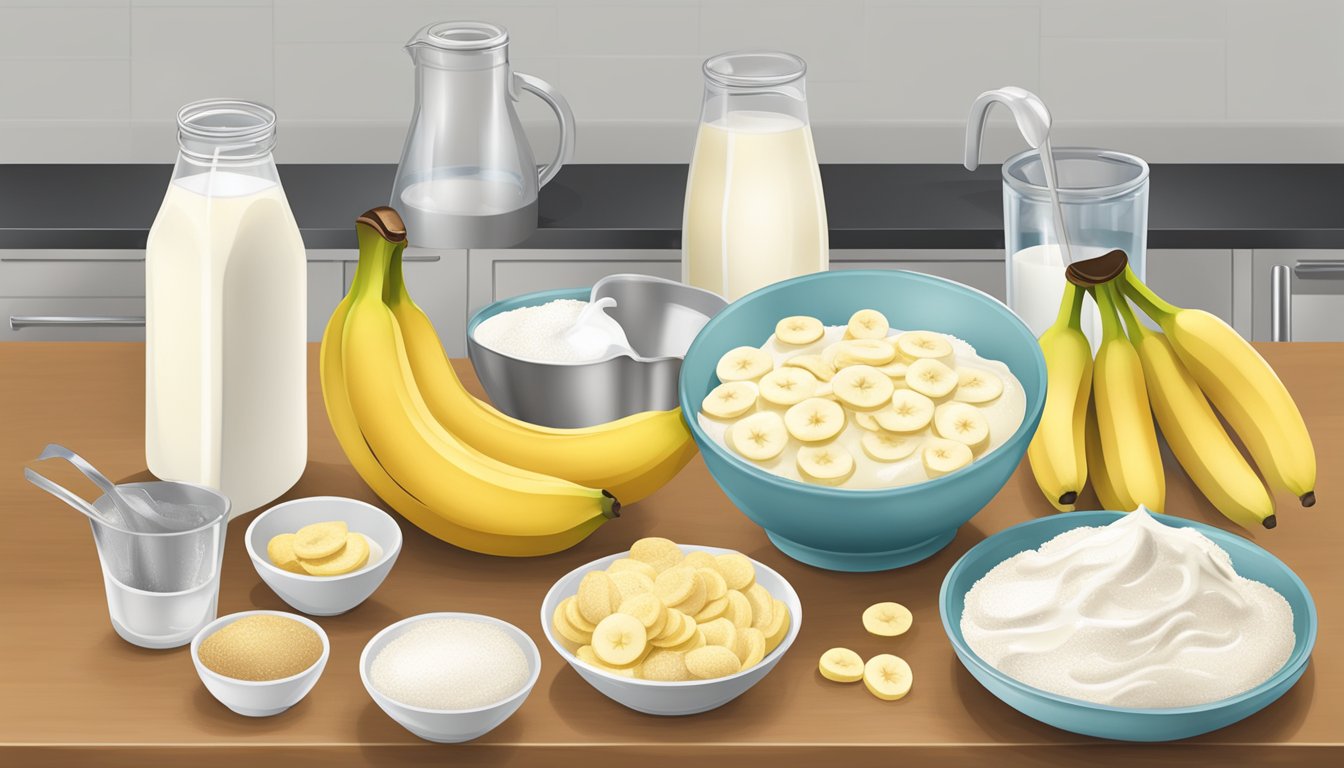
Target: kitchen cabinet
(437, 282)
(99, 295)
(495, 274)
(1194, 278)
(1307, 295)
(979, 269)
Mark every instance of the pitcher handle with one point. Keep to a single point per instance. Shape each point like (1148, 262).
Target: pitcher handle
(560, 107)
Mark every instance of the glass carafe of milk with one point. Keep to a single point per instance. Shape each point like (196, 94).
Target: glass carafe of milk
(467, 178)
(226, 313)
(1103, 198)
(754, 211)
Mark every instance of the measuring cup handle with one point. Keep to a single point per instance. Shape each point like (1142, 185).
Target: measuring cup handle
(560, 107)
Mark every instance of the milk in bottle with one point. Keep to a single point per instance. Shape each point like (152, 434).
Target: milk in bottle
(226, 314)
(754, 209)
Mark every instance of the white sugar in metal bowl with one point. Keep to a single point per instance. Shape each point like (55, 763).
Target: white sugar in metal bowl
(450, 677)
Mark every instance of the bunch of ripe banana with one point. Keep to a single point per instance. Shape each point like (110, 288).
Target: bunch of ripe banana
(451, 464)
(1097, 424)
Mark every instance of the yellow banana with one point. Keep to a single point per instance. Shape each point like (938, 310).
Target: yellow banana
(1124, 421)
(1057, 452)
(1098, 473)
(1243, 388)
(429, 462)
(631, 457)
(1194, 433)
(356, 448)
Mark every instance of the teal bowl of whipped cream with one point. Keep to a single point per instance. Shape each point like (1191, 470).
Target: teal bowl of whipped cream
(1128, 626)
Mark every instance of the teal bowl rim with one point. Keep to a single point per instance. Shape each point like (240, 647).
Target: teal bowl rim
(1296, 661)
(691, 411)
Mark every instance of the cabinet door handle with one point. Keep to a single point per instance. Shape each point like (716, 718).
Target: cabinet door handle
(1280, 303)
(19, 322)
(1319, 270)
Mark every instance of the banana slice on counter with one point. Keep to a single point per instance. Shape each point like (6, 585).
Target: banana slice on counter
(942, 456)
(813, 364)
(799, 330)
(976, 385)
(730, 400)
(887, 619)
(744, 364)
(762, 436)
(814, 419)
(931, 378)
(963, 423)
(867, 324)
(922, 345)
(825, 464)
(841, 665)
(862, 387)
(909, 411)
(885, 446)
(887, 677)
(787, 386)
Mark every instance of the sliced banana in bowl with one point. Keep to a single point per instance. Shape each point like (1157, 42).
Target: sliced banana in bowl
(744, 364)
(730, 399)
(787, 385)
(799, 330)
(760, 436)
(814, 420)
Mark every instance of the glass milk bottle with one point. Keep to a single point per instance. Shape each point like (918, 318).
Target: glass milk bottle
(226, 313)
(754, 210)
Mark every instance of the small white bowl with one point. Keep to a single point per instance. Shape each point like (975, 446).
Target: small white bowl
(259, 698)
(689, 697)
(325, 595)
(449, 726)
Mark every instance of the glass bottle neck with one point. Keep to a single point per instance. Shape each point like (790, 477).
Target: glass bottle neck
(222, 131)
(786, 103)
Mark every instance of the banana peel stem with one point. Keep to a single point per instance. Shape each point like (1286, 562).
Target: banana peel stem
(611, 506)
(1110, 319)
(1133, 327)
(1151, 304)
(375, 257)
(1071, 307)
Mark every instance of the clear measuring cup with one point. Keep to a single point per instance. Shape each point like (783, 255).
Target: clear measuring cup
(1104, 199)
(163, 583)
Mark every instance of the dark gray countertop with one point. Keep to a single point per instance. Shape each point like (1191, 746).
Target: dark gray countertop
(639, 206)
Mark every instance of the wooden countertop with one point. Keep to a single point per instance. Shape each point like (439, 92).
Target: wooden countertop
(75, 692)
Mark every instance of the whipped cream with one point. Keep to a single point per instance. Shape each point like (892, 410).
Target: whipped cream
(1132, 614)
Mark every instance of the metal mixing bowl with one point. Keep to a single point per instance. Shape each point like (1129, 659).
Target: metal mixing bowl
(660, 318)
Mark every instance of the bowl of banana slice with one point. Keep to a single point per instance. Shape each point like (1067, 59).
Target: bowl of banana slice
(671, 629)
(862, 417)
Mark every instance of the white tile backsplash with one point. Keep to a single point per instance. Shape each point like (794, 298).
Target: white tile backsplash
(85, 33)
(68, 89)
(932, 61)
(1134, 19)
(828, 35)
(888, 80)
(1286, 60)
(184, 53)
(1128, 80)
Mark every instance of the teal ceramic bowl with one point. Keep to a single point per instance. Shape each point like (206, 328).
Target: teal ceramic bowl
(865, 530)
(1122, 723)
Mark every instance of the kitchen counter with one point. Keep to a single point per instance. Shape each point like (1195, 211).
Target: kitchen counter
(639, 206)
(73, 691)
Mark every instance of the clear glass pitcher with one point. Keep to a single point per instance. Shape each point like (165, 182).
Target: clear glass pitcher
(467, 178)
(226, 317)
(1104, 199)
(754, 211)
